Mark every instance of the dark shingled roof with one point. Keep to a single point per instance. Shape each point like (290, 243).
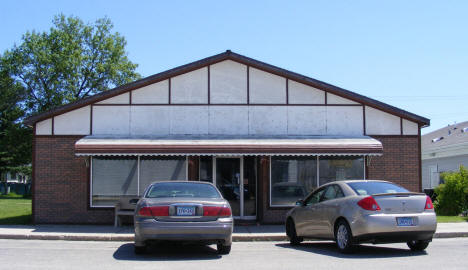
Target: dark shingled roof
(228, 55)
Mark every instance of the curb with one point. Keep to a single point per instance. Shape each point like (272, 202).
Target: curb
(130, 238)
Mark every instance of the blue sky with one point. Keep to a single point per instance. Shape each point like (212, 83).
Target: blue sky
(410, 54)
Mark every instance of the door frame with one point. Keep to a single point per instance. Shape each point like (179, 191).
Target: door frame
(241, 186)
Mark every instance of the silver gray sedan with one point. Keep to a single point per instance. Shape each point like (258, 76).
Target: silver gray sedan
(183, 211)
(363, 211)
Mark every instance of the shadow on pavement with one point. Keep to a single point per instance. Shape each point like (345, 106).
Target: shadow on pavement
(361, 251)
(168, 252)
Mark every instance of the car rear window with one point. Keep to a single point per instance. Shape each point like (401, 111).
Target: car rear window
(369, 188)
(195, 190)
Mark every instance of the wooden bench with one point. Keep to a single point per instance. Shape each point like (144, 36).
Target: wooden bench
(123, 208)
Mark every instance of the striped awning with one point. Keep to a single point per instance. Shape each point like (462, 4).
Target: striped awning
(228, 145)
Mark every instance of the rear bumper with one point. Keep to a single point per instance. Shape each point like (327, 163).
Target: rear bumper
(394, 237)
(206, 232)
(384, 228)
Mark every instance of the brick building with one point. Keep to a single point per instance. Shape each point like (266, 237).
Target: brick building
(264, 135)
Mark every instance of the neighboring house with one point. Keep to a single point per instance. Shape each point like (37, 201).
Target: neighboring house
(13, 177)
(264, 135)
(443, 150)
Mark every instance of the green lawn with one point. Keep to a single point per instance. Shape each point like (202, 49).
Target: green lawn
(446, 219)
(14, 209)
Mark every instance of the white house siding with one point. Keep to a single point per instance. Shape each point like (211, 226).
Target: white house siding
(410, 128)
(233, 109)
(76, 122)
(190, 88)
(266, 88)
(303, 94)
(156, 93)
(44, 127)
(228, 83)
(381, 123)
(445, 164)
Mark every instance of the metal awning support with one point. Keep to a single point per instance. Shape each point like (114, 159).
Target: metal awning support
(209, 145)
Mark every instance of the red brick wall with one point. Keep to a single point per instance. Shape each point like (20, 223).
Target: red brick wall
(399, 162)
(61, 191)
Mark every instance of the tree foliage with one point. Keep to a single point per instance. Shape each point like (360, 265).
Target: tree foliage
(71, 61)
(15, 138)
(452, 195)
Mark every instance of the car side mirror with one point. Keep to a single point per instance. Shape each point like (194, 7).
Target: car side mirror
(133, 201)
(300, 203)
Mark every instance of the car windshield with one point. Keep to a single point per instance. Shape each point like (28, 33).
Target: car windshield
(195, 190)
(369, 188)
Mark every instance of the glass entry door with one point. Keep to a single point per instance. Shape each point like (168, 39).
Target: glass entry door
(239, 190)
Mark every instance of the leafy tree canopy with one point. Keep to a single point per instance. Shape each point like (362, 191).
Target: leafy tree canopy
(71, 61)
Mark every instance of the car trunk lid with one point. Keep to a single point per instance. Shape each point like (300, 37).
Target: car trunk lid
(401, 203)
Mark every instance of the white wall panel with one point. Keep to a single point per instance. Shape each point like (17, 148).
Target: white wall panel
(189, 119)
(344, 120)
(228, 83)
(268, 120)
(190, 88)
(410, 128)
(120, 99)
(156, 93)
(44, 127)
(334, 99)
(109, 120)
(381, 123)
(229, 120)
(307, 120)
(150, 120)
(266, 88)
(303, 94)
(73, 122)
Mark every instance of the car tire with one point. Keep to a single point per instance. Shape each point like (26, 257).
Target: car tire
(139, 249)
(344, 237)
(223, 250)
(417, 245)
(291, 233)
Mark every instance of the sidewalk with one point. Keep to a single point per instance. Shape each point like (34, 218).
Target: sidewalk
(110, 233)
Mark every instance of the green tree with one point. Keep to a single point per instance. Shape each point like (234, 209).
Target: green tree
(15, 138)
(452, 194)
(71, 61)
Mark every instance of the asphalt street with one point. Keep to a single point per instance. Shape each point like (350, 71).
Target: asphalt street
(48, 254)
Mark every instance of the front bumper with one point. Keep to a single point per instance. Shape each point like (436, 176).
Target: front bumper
(210, 232)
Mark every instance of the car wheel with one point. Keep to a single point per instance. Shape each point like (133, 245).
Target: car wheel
(222, 249)
(139, 249)
(344, 237)
(291, 232)
(417, 245)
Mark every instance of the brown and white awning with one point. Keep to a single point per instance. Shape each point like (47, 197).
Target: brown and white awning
(228, 145)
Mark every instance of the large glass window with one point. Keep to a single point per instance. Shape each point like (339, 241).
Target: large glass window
(292, 178)
(154, 169)
(114, 177)
(340, 168)
(206, 169)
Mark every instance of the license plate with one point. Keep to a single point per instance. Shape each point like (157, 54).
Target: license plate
(186, 211)
(405, 221)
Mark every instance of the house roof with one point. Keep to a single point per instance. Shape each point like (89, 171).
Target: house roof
(450, 135)
(228, 55)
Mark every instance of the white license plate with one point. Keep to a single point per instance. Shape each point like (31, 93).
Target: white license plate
(405, 221)
(186, 211)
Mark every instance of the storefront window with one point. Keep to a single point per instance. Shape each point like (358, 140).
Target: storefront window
(292, 178)
(340, 168)
(206, 169)
(113, 177)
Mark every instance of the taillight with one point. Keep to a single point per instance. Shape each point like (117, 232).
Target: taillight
(369, 203)
(429, 204)
(156, 211)
(216, 211)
